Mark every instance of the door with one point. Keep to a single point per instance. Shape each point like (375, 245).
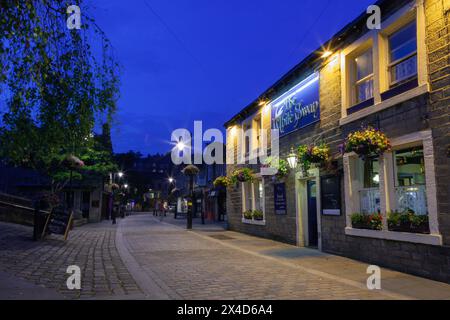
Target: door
(312, 214)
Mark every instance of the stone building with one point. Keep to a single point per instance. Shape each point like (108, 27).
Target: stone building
(395, 79)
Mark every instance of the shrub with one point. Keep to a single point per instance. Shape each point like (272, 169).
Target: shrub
(258, 215)
(248, 215)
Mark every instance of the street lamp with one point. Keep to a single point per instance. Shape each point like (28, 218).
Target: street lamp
(181, 145)
(170, 180)
(120, 174)
(125, 186)
(292, 159)
(190, 171)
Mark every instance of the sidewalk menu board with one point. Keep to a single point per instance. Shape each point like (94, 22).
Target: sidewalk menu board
(58, 222)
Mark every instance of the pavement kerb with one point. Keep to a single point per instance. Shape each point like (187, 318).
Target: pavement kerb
(322, 274)
(150, 288)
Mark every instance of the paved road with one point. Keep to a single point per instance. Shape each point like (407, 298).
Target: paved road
(144, 257)
(44, 264)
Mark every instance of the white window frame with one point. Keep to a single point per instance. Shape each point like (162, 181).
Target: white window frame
(380, 41)
(387, 191)
(253, 190)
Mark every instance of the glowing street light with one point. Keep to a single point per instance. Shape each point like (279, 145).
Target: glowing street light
(125, 186)
(120, 174)
(171, 180)
(181, 145)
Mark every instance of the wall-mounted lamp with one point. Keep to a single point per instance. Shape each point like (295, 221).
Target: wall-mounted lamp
(326, 54)
(292, 159)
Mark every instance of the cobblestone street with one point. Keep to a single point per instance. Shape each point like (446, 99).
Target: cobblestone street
(44, 263)
(169, 262)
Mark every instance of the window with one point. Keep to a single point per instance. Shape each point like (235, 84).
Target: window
(253, 199)
(410, 183)
(386, 67)
(403, 55)
(248, 196)
(259, 195)
(247, 133)
(257, 129)
(363, 88)
(369, 194)
(401, 186)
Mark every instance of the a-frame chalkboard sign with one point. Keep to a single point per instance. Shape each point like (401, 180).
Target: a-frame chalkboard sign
(59, 222)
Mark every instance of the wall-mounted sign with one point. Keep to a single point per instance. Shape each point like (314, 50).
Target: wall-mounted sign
(330, 188)
(280, 198)
(297, 108)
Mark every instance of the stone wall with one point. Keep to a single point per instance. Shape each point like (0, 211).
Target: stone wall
(429, 111)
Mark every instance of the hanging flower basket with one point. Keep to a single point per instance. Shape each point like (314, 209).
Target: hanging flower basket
(367, 142)
(223, 182)
(312, 155)
(282, 167)
(242, 175)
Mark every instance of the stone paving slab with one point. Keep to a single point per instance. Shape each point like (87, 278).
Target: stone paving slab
(348, 270)
(44, 263)
(190, 265)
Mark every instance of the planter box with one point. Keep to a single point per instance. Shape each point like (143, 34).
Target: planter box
(422, 229)
(363, 226)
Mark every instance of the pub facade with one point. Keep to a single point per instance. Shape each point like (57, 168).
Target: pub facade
(362, 143)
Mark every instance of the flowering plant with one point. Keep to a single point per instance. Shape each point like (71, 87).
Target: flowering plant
(258, 215)
(282, 167)
(221, 182)
(242, 175)
(367, 221)
(366, 142)
(319, 154)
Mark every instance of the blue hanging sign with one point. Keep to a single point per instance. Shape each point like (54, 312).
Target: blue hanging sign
(297, 108)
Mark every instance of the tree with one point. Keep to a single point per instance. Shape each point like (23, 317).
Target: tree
(57, 88)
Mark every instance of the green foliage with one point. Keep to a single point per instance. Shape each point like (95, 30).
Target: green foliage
(367, 221)
(282, 167)
(241, 175)
(221, 182)
(258, 215)
(57, 89)
(406, 219)
(248, 215)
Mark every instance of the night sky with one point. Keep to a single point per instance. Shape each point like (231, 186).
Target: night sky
(186, 60)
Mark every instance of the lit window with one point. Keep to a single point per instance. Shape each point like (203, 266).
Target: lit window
(410, 181)
(247, 131)
(369, 194)
(364, 77)
(403, 54)
(248, 196)
(259, 195)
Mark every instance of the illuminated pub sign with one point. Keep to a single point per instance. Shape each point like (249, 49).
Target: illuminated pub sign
(297, 108)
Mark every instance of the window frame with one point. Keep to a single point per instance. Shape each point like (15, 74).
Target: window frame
(383, 98)
(387, 188)
(253, 190)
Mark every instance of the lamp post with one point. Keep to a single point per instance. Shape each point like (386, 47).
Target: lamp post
(190, 171)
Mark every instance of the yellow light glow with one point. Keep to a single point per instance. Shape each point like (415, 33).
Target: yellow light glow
(326, 54)
(233, 131)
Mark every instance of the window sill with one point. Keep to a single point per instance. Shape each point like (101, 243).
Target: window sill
(254, 222)
(430, 239)
(405, 96)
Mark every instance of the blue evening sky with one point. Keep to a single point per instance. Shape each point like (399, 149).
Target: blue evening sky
(186, 60)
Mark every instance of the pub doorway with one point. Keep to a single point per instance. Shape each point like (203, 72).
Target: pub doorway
(308, 209)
